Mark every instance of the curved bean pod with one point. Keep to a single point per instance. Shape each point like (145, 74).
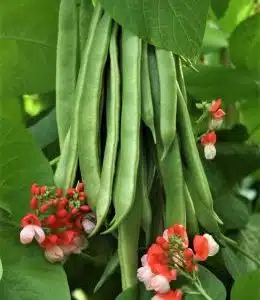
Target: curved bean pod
(125, 184)
(168, 98)
(66, 66)
(89, 117)
(192, 222)
(113, 114)
(147, 103)
(65, 172)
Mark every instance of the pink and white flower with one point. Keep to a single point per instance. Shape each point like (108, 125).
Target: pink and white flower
(32, 231)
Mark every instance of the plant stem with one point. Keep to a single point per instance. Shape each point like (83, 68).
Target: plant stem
(54, 161)
(201, 290)
(242, 251)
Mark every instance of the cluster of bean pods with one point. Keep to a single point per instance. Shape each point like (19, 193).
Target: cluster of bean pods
(122, 114)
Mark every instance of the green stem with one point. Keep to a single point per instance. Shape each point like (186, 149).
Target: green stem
(54, 161)
(242, 251)
(201, 290)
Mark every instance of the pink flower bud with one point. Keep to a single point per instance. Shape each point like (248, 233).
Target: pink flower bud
(81, 243)
(213, 245)
(145, 274)
(88, 226)
(27, 234)
(54, 254)
(144, 260)
(210, 151)
(39, 234)
(160, 284)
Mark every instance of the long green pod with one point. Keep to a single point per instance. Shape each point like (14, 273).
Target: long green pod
(191, 153)
(65, 172)
(89, 117)
(146, 216)
(128, 237)
(66, 64)
(85, 12)
(147, 102)
(172, 178)
(191, 218)
(126, 179)
(180, 77)
(113, 114)
(204, 214)
(168, 98)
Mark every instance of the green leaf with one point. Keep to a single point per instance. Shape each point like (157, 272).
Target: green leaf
(211, 284)
(232, 262)
(245, 44)
(231, 210)
(229, 84)
(129, 294)
(249, 240)
(219, 7)
(237, 11)
(45, 130)
(214, 39)
(247, 287)
(27, 46)
(27, 275)
(21, 164)
(109, 270)
(170, 24)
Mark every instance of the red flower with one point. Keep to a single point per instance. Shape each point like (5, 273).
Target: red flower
(35, 189)
(180, 231)
(80, 187)
(70, 192)
(209, 138)
(59, 192)
(30, 219)
(34, 203)
(171, 295)
(215, 110)
(50, 241)
(201, 247)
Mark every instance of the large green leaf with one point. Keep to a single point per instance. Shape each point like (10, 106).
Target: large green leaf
(245, 44)
(21, 164)
(219, 7)
(28, 33)
(213, 82)
(211, 284)
(129, 294)
(247, 287)
(27, 275)
(214, 39)
(237, 11)
(249, 240)
(232, 262)
(171, 24)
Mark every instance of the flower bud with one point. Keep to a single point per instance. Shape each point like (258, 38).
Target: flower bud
(88, 226)
(160, 284)
(27, 234)
(210, 151)
(145, 274)
(213, 245)
(54, 254)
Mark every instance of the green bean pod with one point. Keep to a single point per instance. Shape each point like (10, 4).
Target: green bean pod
(146, 216)
(89, 117)
(180, 77)
(168, 98)
(128, 237)
(204, 214)
(125, 183)
(113, 114)
(192, 222)
(147, 103)
(66, 66)
(65, 172)
(172, 178)
(85, 13)
(191, 153)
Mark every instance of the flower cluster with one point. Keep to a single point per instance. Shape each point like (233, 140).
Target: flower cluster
(216, 113)
(58, 221)
(171, 256)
